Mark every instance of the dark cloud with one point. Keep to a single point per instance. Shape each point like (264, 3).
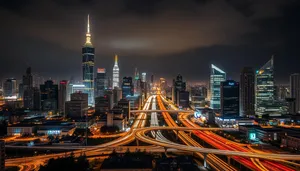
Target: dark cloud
(41, 33)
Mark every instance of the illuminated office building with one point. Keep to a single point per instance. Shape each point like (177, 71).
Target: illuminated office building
(10, 88)
(88, 54)
(127, 87)
(116, 73)
(178, 86)
(216, 77)
(101, 82)
(144, 79)
(230, 104)
(247, 92)
(265, 88)
(295, 92)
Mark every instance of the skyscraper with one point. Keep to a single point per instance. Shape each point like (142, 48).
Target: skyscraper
(10, 88)
(247, 91)
(101, 82)
(27, 88)
(295, 91)
(49, 95)
(88, 54)
(62, 95)
(265, 87)
(230, 99)
(116, 73)
(144, 77)
(216, 77)
(127, 87)
(178, 86)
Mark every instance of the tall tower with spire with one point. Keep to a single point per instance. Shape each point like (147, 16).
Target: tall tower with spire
(116, 73)
(88, 55)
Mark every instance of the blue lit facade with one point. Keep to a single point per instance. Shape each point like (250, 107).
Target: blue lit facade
(216, 77)
(230, 104)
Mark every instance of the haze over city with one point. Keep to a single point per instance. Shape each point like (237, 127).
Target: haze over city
(149, 35)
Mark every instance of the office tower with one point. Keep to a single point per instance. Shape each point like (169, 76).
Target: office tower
(144, 77)
(230, 104)
(116, 73)
(117, 95)
(109, 82)
(125, 105)
(36, 99)
(295, 91)
(21, 91)
(216, 77)
(178, 85)
(49, 95)
(28, 79)
(88, 54)
(102, 105)
(2, 155)
(62, 94)
(182, 99)
(78, 106)
(10, 88)
(28, 98)
(101, 82)
(27, 88)
(127, 87)
(265, 87)
(282, 92)
(247, 92)
(136, 74)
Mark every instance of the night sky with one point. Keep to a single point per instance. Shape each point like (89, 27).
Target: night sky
(163, 37)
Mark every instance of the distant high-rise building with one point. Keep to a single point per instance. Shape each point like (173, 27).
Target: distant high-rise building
(178, 85)
(216, 77)
(88, 54)
(127, 87)
(152, 79)
(36, 99)
(230, 104)
(28, 79)
(247, 92)
(78, 106)
(62, 95)
(144, 78)
(265, 87)
(102, 105)
(117, 95)
(10, 88)
(101, 82)
(28, 98)
(295, 91)
(282, 92)
(49, 95)
(116, 73)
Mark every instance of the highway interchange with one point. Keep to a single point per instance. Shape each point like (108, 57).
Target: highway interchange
(252, 159)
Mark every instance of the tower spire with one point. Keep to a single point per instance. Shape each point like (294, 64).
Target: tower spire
(116, 59)
(88, 34)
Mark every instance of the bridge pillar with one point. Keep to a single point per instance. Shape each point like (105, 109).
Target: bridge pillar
(204, 160)
(228, 159)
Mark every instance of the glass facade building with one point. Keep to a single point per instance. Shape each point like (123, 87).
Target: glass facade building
(216, 77)
(116, 73)
(265, 101)
(88, 54)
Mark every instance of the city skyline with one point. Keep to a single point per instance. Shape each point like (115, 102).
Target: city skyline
(114, 33)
